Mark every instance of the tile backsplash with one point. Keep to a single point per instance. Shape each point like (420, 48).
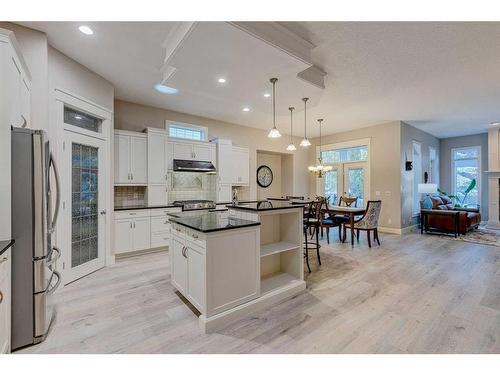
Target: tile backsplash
(126, 196)
(192, 185)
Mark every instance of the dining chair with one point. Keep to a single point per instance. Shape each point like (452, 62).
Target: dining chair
(369, 221)
(344, 219)
(328, 220)
(312, 220)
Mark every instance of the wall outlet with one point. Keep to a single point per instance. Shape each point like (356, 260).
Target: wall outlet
(388, 193)
(377, 193)
(389, 221)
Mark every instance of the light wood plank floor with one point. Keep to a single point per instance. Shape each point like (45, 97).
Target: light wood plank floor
(414, 294)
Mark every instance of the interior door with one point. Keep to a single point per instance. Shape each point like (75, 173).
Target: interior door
(84, 205)
(356, 182)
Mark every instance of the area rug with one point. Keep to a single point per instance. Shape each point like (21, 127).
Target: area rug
(482, 235)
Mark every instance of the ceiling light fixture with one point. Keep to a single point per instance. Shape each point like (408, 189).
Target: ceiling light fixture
(274, 132)
(495, 123)
(246, 109)
(320, 169)
(221, 80)
(166, 89)
(86, 30)
(267, 95)
(291, 146)
(78, 117)
(305, 142)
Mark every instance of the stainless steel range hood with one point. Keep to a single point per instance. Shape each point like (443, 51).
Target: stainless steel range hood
(193, 166)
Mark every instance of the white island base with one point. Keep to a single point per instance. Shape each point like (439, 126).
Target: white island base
(229, 274)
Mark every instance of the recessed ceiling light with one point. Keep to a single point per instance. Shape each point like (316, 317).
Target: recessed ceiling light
(496, 123)
(78, 117)
(267, 95)
(221, 80)
(86, 30)
(246, 109)
(166, 89)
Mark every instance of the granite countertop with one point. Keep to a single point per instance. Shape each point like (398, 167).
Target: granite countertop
(212, 221)
(267, 205)
(5, 245)
(124, 208)
(226, 203)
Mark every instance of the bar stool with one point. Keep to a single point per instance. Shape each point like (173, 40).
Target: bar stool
(312, 220)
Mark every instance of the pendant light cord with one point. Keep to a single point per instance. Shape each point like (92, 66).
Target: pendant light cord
(291, 124)
(274, 102)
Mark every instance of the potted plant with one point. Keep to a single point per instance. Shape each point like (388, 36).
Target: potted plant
(456, 199)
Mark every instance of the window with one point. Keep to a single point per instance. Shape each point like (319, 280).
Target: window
(82, 120)
(417, 175)
(465, 167)
(185, 131)
(433, 166)
(359, 153)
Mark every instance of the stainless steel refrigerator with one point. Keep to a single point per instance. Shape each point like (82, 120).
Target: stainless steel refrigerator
(34, 275)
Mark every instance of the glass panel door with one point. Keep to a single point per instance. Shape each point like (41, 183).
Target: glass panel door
(355, 182)
(332, 186)
(84, 203)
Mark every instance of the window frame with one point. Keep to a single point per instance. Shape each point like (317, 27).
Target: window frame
(479, 182)
(177, 124)
(415, 201)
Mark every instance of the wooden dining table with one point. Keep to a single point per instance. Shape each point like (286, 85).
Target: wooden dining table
(349, 211)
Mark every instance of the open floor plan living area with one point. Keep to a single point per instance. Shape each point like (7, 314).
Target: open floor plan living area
(249, 187)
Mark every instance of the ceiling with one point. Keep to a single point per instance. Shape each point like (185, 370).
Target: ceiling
(443, 78)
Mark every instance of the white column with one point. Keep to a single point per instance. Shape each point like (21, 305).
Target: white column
(493, 177)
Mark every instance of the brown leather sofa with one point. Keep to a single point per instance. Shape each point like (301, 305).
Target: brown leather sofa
(445, 219)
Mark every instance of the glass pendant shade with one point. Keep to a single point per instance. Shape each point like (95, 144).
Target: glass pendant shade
(305, 142)
(291, 147)
(274, 132)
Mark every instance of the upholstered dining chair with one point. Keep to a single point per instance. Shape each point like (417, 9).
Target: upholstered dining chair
(312, 220)
(369, 221)
(329, 220)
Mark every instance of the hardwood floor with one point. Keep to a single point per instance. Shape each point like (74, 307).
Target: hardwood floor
(413, 294)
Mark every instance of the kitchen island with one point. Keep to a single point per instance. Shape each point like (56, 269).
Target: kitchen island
(217, 264)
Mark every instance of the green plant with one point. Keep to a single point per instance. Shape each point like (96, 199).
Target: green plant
(456, 199)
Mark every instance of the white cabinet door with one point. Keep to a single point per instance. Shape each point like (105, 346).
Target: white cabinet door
(179, 265)
(196, 276)
(123, 236)
(241, 166)
(5, 301)
(183, 151)
(203, 152)
(157, 195)
(141, 233)
(122, 159)
(169, 154)
(157, 168)
(138, 160)
(224, 193)
(224, 163)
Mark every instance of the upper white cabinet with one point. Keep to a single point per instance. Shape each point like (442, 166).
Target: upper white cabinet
(191, 150)
(131, 163)
(241, 165)
(157, 156)
(233, 163)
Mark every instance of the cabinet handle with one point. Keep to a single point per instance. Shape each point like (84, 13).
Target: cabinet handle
(166, 222)
(177, 229)
(132, 176)
(3, 260)
(194, 235)
(130, 225)
(24, 122)
(1, 297)
(134, 224)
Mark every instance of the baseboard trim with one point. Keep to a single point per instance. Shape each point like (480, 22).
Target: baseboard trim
(389, 230)
(141, 252)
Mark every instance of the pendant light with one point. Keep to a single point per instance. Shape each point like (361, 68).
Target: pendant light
(305, 142)
(274, 132)
(320, 169)
(291, 146)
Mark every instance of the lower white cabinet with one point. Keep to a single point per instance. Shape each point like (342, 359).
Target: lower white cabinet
(5, 275)
(142, 229)
(132, 231)
(179, 264)
(195, 257)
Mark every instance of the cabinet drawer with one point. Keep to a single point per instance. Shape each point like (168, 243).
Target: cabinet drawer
(196, 238)
(160, 224)
(160, 239)
(164, 211)
(131, 214)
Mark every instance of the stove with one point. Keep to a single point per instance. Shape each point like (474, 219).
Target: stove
(198, 204)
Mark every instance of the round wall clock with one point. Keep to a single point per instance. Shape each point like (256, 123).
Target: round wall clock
(264, 176)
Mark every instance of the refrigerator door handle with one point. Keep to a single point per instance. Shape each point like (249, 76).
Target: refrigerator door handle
(58, 193)
(53, 258)
(51, 290)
